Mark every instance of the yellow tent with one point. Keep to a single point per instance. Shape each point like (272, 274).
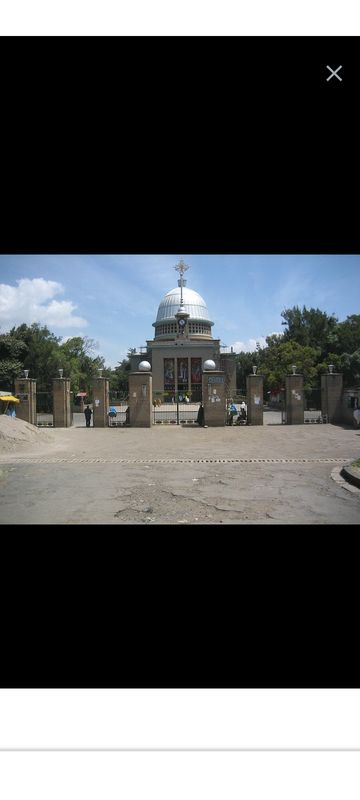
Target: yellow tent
(8, 398)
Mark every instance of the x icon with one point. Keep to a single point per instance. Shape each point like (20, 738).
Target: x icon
(334, 73)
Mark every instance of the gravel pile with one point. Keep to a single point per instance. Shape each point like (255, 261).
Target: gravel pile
(16, 434)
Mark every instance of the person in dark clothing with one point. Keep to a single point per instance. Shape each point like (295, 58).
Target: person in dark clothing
(88, 414)
(200, 416)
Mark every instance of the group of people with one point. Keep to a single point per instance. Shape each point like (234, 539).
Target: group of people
(232, 412)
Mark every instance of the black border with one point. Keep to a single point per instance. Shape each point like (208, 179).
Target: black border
(211, 608)
(244, 148)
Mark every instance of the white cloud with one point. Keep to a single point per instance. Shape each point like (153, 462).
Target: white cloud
(33, 301)
(250, 345)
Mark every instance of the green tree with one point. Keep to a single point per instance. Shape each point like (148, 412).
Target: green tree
(12, 355)
(244, 364)
(347, 335)
(41, 357)
(310, 328)
(78, 363)
(120, 378)
(276, 361)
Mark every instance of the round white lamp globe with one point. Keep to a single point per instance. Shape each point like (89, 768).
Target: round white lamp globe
(144, 366)
(209, 364)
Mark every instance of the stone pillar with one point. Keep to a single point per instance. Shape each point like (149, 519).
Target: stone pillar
(100, 402)
(255, 399)
(228, 364)
(140, 400)
(214, 399)
(62, 416)
(25, 390)
(331, 396)
(294, 399)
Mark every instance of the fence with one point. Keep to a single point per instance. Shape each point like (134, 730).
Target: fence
(175, 413)
(314, 417)
(121, 416)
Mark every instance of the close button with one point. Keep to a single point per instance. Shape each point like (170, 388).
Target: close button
(334, 73)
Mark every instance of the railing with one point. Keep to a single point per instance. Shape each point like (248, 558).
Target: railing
(315, 416)
(44, 420)
(175, 414)
(121, 416)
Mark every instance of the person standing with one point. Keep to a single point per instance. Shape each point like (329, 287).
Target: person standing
(201, 416)
(232, 412)
(10, 411)
(88, 414)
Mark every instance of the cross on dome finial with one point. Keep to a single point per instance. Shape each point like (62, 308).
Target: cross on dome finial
(181, 267)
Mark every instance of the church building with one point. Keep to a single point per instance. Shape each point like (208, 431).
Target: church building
(182, 343)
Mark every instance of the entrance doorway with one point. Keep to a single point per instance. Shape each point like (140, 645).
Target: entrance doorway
(44, 409)
(174, 409)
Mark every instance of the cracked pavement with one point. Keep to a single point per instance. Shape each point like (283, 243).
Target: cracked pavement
(160, 476)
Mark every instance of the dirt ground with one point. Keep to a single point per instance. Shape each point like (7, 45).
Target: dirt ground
(178, 475)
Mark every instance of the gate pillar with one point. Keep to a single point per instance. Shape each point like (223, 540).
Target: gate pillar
(25, 390)
(214, 400)
(100, 402)
(140, 399)
(294, 399)
(254, 399)
(331, 396)
(62, 413)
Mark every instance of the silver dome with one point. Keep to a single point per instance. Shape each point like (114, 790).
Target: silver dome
(194, 305)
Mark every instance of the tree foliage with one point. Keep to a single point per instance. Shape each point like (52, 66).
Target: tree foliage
(277, 359)
(77, 363)
(312, 340)
(36, 348)
(347, 335)
(120, 378)
(309, 327)
(244, 364)
(12, 352)
(41, 352)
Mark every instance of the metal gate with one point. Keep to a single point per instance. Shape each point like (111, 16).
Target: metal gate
(178, 412)
(44, 409)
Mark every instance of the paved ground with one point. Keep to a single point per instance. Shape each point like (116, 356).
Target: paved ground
(171, 474)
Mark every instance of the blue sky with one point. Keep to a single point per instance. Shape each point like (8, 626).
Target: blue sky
(114, 298)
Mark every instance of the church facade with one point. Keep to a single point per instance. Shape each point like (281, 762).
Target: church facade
(181, 344)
